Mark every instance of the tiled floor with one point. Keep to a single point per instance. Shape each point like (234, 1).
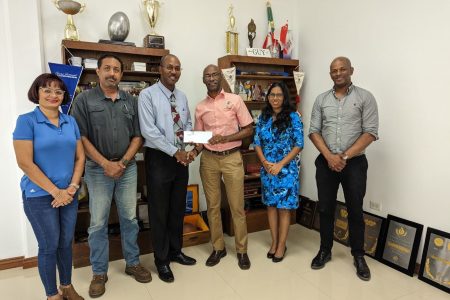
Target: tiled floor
(290, 279)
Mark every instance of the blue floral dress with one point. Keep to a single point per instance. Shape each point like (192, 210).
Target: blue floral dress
(280, 191)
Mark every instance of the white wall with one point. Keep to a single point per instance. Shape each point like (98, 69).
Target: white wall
(22, 61)
(399, 50)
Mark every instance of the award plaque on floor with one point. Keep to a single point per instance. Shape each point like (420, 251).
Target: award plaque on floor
(306, 211)
(374, 228)
(341, 223)
(400, 244)
(435, 264)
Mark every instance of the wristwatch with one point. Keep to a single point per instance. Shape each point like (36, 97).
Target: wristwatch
(125, 161)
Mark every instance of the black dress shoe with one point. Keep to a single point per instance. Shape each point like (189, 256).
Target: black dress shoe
(270, 255)
(362, 270)
(215, 257)
(165, 273)
(243, 261)
(276, 259)
(183, 259)
(320, 260)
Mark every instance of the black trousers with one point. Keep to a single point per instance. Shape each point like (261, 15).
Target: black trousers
(166, 185)
(353, 179)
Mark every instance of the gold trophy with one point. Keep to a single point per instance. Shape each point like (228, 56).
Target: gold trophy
(231, 34)
(151, 10)
(70, 8)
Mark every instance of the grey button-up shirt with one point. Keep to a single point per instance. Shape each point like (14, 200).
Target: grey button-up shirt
(341, 122)
(108, 125)
(155, 117)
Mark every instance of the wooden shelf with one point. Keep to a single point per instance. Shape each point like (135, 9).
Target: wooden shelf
(111, 48)
(263, 77)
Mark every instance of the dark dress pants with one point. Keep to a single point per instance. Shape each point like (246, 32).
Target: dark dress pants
(353, 179)
(166, 185)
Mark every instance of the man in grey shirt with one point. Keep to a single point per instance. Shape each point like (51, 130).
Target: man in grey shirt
(109, 128)
(164, 115)
(344, 121)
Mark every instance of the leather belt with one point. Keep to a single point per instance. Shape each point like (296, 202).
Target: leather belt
(223, 153)
(114, 159)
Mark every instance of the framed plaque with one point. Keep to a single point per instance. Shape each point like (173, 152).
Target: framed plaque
(306, 211)
(374, 228)
(341, 224)
(435, 264)
(400, 244)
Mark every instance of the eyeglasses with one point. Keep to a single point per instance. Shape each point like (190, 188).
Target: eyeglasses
(173, 68)
(48, 92)
(272, 95)
(213, 75)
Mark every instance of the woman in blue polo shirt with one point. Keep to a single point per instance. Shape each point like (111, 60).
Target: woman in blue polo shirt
(50, 153)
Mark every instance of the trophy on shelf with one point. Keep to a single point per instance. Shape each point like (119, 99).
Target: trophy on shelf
(70, 8)
(151, 10)
(232, 35)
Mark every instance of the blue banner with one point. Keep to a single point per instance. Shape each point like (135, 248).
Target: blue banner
(71, 76)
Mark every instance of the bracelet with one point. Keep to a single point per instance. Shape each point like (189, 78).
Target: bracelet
(74, 185)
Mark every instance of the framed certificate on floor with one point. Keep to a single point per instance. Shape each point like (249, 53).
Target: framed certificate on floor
(400, 244)
(435, 264)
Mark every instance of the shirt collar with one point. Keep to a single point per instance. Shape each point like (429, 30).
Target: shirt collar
(349, 90)
(100, 95)
(221, 94)
(41, 118)
(165, 90)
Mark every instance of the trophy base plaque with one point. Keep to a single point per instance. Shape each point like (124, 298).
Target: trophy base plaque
(117, 43)
(154, 41)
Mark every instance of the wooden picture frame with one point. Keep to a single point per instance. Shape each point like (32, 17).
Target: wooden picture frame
(435, 264)
(192, 199)
(400, 244)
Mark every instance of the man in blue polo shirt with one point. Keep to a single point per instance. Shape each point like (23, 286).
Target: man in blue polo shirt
(109, 128)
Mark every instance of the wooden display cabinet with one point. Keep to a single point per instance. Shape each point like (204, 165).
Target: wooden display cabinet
(260, 71)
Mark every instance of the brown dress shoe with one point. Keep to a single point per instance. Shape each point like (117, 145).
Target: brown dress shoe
(140, 273)
(97, 287)
(243, 261)
(69, 293)
(215, 257)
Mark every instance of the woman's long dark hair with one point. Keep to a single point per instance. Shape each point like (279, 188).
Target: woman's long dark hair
(283, 119)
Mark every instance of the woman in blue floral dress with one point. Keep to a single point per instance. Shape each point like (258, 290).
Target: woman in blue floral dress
(278, 140)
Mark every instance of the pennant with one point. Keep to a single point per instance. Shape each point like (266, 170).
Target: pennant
(70, 75)
(298, 78)
(230, 77)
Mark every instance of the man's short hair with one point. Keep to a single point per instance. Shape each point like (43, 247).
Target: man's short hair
(101, 58)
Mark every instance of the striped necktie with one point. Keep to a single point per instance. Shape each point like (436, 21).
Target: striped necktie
(177, 124)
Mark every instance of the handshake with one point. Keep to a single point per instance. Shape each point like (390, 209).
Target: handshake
(186, 157)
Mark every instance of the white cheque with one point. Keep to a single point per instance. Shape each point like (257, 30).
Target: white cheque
(199, 137)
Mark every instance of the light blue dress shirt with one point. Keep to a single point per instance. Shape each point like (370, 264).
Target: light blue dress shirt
(155, 117)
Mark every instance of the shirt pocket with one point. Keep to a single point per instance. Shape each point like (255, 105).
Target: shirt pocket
(97, 115)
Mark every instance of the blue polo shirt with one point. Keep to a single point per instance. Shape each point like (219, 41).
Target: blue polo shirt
(54, 148)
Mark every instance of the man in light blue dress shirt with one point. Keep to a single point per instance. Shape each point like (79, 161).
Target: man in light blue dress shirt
(164, 115)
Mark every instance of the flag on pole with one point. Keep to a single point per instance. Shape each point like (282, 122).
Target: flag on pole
(286, 40)
(270, 38)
